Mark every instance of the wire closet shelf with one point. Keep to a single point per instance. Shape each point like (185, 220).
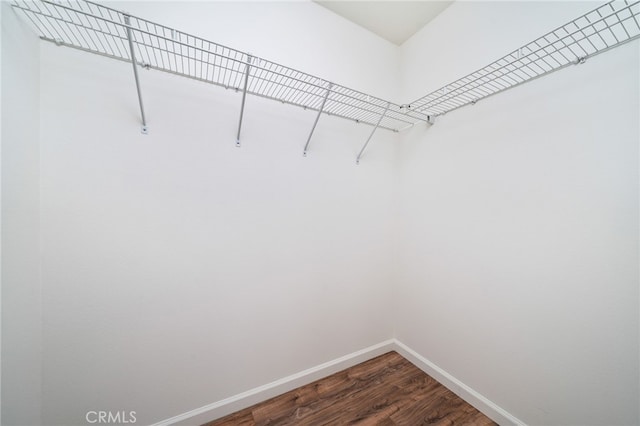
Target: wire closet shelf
(99, 29)
(105, 31)
(597, 31)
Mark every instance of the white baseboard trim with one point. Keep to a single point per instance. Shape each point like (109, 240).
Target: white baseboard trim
(261, 393)
(486, 406)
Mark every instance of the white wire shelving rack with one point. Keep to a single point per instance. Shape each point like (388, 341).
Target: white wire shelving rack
(595, 32)
(98, 29)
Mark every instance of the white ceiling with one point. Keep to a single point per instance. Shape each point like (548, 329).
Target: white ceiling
(395, 21)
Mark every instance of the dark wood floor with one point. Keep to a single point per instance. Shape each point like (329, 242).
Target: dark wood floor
(387, 390)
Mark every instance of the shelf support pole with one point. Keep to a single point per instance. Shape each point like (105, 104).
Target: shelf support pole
(127, 21)
(244, 97)
(324, 101)
(372, 132)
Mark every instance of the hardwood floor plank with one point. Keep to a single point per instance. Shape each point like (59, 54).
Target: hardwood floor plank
(292, 404)
(400, 393)
(387, 390)
(376, 393)
(361, 389)
(240, 418)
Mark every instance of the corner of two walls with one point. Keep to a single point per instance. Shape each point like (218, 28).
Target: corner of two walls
(21, 282)
(519, 222)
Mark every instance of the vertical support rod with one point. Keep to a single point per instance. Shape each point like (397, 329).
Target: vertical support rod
(127, 21)
(372, 132)
(244, 96)
(324, 101)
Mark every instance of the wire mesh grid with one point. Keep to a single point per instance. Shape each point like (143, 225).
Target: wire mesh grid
(597, 31)
(99, 29)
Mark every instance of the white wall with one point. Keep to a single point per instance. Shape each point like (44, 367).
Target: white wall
(21, 286)
(519, 223)
(180, 270)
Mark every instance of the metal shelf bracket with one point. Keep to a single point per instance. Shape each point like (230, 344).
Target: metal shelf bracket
(324, 101)
(127, 21)
(372, 132)
(244, 97)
